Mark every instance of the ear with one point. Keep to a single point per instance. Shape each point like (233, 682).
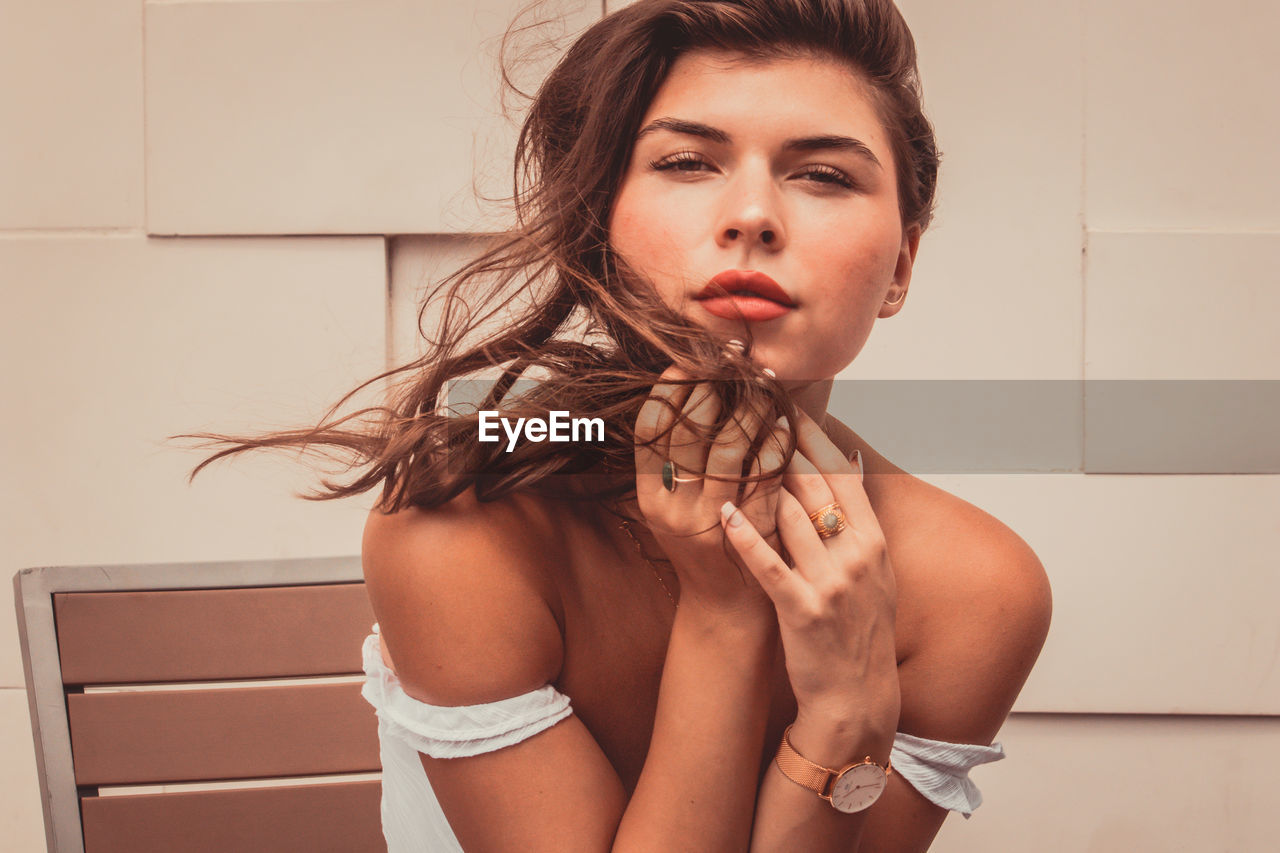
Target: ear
(902, 272)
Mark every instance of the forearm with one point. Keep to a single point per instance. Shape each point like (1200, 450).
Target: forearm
(697, 789)
(790, 817)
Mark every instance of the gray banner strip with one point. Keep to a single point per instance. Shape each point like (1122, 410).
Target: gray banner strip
(1111, 426)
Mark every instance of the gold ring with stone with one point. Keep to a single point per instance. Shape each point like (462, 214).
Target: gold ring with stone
(669, 478)
(828, 521)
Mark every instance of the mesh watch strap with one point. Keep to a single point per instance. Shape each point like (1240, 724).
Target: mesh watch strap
(804, 772)
(801, 770)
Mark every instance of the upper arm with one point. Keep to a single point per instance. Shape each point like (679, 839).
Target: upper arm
(990, 607)
(466, 620)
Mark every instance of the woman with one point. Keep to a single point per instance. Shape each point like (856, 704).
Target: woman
(731, 624)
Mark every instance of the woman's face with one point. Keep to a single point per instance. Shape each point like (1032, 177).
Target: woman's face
(780, 168)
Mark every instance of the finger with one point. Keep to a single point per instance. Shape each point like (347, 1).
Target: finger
(804, 481)
(842, 478)
(687, 446)
(760, 503)
(801, 539)
(666, 398)
(769, 465)
(783, 586)
(728, 451)
(772, 457)
(812, 490)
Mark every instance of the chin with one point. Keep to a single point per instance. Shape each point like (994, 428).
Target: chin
(789, 364)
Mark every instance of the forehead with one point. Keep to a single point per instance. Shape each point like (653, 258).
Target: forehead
(793, 94)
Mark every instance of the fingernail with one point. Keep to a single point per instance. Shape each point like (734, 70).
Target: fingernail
(768, 372)
(857, 460)
(781, 421)
(730, 514)
(736, 344)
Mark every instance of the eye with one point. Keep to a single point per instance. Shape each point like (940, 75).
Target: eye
(828, 175)
(681, 161)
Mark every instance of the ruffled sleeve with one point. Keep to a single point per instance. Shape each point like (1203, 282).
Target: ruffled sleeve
(455, 731)
(937, 769)
(940, 770)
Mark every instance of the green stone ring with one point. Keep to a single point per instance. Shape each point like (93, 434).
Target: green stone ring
(669, 478)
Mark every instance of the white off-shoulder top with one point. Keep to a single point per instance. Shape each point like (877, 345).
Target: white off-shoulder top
(413, 821)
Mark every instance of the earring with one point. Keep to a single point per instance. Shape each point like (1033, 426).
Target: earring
(901, 296)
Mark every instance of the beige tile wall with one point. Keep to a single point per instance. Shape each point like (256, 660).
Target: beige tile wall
(1164, 588)
(352, 116)
(115, 343)
(20, 808)
(1181, 123)
(71, 151)
(419, 264)
(1124, 784)
(1108, 210)
(996, 289)
(1206, 302)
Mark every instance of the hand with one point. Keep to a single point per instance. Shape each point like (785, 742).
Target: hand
(836, 609)
(686, 521)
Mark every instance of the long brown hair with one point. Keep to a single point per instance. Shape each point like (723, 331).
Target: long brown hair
(572, 152)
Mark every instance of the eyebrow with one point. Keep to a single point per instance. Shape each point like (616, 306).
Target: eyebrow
(827, 142)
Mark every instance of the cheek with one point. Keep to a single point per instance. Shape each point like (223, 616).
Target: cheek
(630, 231)
(650, 233)
(857, 259)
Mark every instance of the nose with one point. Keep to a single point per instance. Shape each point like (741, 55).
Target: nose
(750, 214)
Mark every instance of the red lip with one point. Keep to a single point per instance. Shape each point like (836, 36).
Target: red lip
(746, 281)
(752, 296)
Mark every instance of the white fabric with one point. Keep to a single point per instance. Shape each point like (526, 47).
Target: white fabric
(458, 731)
(412, 820)
(940, 770)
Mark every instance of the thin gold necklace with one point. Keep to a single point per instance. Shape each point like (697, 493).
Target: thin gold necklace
(640, 550)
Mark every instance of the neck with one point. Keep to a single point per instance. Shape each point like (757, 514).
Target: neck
(812, 398)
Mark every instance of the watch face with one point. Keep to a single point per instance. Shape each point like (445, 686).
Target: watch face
(858, 787)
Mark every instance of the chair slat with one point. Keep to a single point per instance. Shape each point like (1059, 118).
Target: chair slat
(340, 817)
(231, 733)
(205, 634)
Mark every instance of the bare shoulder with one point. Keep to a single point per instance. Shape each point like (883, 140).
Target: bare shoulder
(981, 605)
(962, 551)
(466, 608)
(973, 612)
(946, 549)
(974, 602)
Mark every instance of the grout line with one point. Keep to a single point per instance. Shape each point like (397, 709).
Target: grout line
(388, 343)
(146, 194)
(1211, 232)
(198, 2)
(57, 233)
(1084, 115)
(1084, 233)
(1150, 716)
(83, 231)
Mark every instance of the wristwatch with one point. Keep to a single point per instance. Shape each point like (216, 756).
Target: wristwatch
(849, 789)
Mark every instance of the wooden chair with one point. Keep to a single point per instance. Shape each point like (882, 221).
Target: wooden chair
(130, 673)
